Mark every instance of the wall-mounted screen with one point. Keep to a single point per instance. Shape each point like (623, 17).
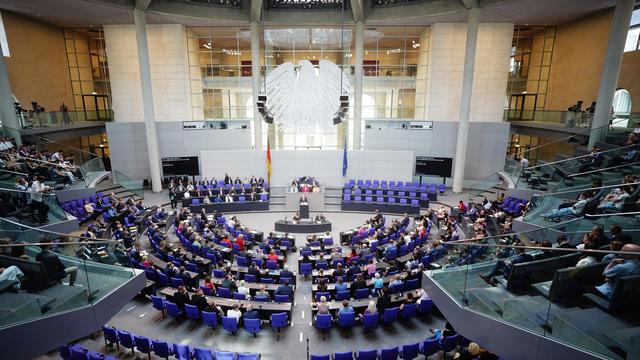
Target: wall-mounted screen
(184, 165)
(433, 166)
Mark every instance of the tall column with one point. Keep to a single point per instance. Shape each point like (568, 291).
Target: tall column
(465, 99)
(147, 99)
(255, 81)
(357, 86)
(611, 69)
(7, 110)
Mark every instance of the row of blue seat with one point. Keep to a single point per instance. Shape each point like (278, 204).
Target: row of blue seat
(383, 199)
(412, 351)
(79, 352)
(208, 318)
(370, 321)
(393, 185)
(165, 349)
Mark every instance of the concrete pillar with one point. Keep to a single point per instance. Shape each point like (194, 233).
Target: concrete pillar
(357, 86)
(8, 115)
(611, 69)
(465, 100)
(147, 99)
(421, 77)
(255, 81)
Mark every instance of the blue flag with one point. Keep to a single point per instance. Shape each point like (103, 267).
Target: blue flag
(344, 158)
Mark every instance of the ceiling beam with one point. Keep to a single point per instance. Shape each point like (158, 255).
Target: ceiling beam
(470, 3)
(357, 7)
(256, 10)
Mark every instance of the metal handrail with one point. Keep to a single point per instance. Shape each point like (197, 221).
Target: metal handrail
(529, 247)
(579, 157)
(57, 234)
(605, 215)
(587, 189)
(14, 172)
(603, 169)
(552, 227)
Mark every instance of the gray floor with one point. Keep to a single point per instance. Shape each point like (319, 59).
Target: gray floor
(139, 316)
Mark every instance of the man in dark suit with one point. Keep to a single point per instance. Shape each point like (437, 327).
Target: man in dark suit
(503, 267)
(286, 273)
(251, 313)
(253, 270)
(227, 179)
(181, 297)
(359, 283)
(170, 271)
(54, 267)
(285, 289)
(198, 300)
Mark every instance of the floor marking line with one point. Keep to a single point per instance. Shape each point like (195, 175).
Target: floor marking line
(301, 336)
(302, 314)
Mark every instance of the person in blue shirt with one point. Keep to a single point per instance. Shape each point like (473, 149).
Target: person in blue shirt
(341, 286)
(617, 268)
(251, 313)
(285, 289)
(503, 267)
(378, 283)
(346, 308)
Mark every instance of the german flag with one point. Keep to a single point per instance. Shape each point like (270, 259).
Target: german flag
(268, 162)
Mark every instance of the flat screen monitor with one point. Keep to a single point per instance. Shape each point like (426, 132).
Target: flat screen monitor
(183, 165)
(433, 166)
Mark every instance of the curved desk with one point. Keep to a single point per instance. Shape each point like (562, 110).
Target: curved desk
(308, 227)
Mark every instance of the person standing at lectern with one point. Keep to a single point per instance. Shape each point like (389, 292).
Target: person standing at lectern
(303, 200)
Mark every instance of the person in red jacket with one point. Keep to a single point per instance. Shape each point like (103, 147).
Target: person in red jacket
(240, 242)
(461, 207)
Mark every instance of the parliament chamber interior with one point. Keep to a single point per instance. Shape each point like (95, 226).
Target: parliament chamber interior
(319, 179)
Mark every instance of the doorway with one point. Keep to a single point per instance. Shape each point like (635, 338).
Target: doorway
(96, 107)
(521, 107)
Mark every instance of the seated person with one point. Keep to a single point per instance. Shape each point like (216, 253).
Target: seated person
(296, 218)
(588, 258)
(341, 286)
(251, 313)
(617, 268)
(263, 292)
(503, 267)
(346, 308)
(616, 203)
(285, 289)
(235, 312)
(181, 297)
(11, 273)
(615, 245)
(576, 210)
(323, 306)
(198, 300)
(320, 218)
(627, 157)
(617, 234)
(243, 289)
(54, 267)
(370, 310)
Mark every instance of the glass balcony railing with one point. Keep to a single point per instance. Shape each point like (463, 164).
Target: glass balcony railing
(92, 169)
(564, 294)
(491, 183)
(30, 290)
(134, 186)
(31, 208)
(32, 119)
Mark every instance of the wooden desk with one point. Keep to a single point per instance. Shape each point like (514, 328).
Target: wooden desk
(331, 287)
(253, 286)
(361, 304)
(380, 265)
(159, 263)
(266, 273)
(263, 307)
